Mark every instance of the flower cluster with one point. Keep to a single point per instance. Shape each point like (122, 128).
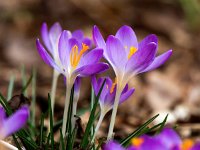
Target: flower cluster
(69, 54)
(168, 139)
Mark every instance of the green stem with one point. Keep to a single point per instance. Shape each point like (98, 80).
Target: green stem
(67, 100)
(114, 113)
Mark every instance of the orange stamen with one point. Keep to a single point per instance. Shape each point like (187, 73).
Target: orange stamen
(187, 144)
(75, 57)
(113, 86)
(137, 142)
(131, 52)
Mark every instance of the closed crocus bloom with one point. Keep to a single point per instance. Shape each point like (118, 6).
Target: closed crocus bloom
(128, 57)
(107, 96)
(13, 123)
(75, 60)
(108, 93)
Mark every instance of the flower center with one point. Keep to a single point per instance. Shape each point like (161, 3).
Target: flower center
(132, 51)
(187, 144)
(75, 56)
(137, 142)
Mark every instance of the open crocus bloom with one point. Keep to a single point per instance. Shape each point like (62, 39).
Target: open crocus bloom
(108, 93)
(74, 58)
(168, 139)
(127, 56)
(13, 123)
(50, 38)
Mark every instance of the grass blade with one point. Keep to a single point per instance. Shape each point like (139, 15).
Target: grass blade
(125, 141)
(10, 87)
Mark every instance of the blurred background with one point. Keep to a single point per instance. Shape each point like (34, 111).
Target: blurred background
(174, 88)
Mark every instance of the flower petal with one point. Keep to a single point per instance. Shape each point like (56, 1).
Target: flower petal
(126, 95)
(98, 38)
(2, 116)
(63, 48)
(116, 53)
(159, 60)
(45, 56)
(78, 34)
(169, 138)
(87, 41)
(92, 69)
(54, 34)
(92, 57)
(45, 37)
(127, 36)
(15, 122)
(141, 59)
(152, 38)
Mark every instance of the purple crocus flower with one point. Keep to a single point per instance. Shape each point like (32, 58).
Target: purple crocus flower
(13, 123)
(50, 39)
(128, 58)
(168, 139)
(108, 93)
(73, 60)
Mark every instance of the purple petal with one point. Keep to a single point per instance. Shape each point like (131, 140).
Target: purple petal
(169, 138)
(112, 145)
(126, 95)
(78, 34)
(148, 39)
(150, 143)
(159, 60)
(15, 122)
(116, 52)
(87, 41)
(63, 48)
(45, 56)
(196, 147)
(98, 38)
(92, 57)
(54, 34)
(141, 59)
(92, 69)
(45, 37)
(127, 36)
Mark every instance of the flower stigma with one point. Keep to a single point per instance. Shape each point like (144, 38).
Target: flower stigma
(132, 51)
(187, 144)
(75, 56)
(137, 141)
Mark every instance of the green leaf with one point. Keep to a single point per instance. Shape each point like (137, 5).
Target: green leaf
(41, 129)
(10, 87)
(85, 141)
(25, 86)
(62, 145)
(125, 141)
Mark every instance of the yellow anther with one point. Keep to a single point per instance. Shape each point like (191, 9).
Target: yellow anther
(113, 86)
(187, 144)
(75, 57)
(131, 52)
(137, 141)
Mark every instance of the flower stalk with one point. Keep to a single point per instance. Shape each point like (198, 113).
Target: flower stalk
(66, 109)
(53, 89)
(114, 112)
